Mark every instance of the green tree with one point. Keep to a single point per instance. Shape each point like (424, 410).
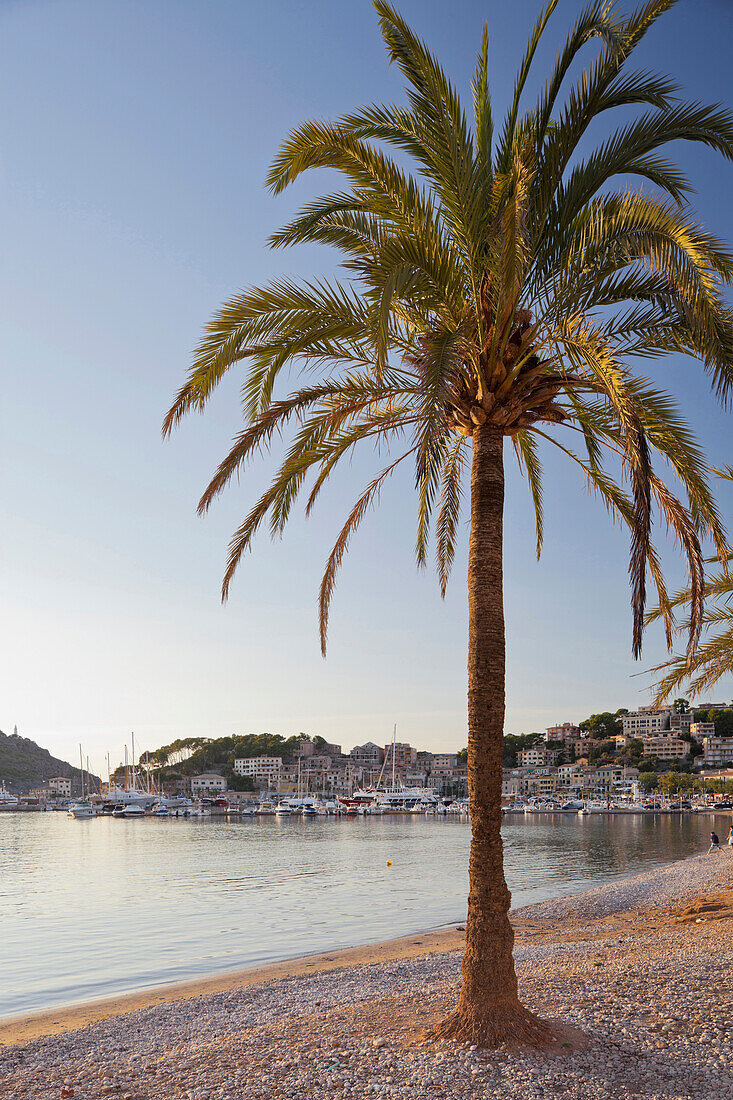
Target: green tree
(603, 725)
(513, 745)
(498, 290)
(648, 781)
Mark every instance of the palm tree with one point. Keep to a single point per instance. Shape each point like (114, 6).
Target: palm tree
(496, 292)
(713, 658)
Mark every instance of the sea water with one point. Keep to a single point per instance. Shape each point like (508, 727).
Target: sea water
(92, 908)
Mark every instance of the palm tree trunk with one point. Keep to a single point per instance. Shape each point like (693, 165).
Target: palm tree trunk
(488, 1011)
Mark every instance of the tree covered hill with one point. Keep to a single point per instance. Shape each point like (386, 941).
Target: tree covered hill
(194, 755)
(24, 764)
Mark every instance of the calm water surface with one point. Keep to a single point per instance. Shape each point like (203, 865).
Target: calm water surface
(94, 908)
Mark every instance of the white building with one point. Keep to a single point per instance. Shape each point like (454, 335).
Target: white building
(716, 751)
(259, 767)
(646, 722)
(699, 730)
(208, 783)
(60, 785)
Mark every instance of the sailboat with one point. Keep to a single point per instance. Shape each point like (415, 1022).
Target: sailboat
(395, 799)
(84, 807)
(129, 797)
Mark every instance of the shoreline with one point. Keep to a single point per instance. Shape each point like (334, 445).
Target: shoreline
(27, 1026)
(637, 974)
(606, 900)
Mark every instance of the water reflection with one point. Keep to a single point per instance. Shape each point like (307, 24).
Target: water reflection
(91, 908)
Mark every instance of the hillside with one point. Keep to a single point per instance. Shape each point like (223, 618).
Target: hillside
(24, 764)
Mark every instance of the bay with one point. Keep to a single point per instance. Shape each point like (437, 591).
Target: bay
(93, 908)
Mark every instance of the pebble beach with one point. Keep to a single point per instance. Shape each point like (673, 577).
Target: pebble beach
(640, 969)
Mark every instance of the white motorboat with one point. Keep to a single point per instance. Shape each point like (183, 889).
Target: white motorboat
(133, 809)
(597, 807)
(8, 801)
(283, 809)
(81, 809)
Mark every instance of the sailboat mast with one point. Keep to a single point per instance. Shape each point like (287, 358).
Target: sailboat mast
(81, 767)
(394, 748)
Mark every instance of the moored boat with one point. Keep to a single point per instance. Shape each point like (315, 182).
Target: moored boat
(82, 809)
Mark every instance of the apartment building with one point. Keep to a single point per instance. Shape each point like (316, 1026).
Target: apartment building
(259, 767)
(567, 733)
(666, 747)
(444, 760)
(60, 785)
(537, 755)
(611, 775)
(646, 722)
(542, 781)
(404, 755)
(700, 730)
(368, 755)
(208, 783)
(717, 751)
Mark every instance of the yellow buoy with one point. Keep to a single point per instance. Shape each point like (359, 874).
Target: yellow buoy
(389, 862)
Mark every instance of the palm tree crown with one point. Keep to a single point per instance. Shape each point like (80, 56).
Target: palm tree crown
(505, 281)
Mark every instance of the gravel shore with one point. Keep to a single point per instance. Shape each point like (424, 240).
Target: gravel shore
(639, 966)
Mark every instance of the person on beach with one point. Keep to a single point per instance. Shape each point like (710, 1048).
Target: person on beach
(730, 837)
(714, 843)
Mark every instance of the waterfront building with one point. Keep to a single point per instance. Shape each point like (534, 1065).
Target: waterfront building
(573, 776)
(612, 776)
(542, 781)
(60, 785)
(208, 783)
(41, 794)
(512, 782)
(666, 747)
(259, 767)
(717, 751)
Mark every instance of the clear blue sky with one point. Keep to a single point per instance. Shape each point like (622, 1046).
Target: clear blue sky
(134, 139)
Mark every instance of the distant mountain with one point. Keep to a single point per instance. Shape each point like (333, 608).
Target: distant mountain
(24, 764)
